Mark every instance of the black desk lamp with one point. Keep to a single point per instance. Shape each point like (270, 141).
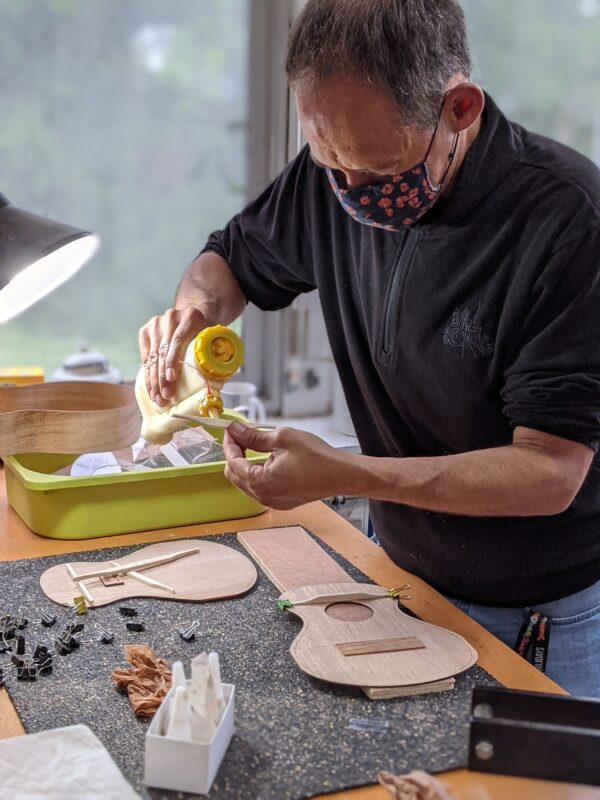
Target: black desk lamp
(37, 254)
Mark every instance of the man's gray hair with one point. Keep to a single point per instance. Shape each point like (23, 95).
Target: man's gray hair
(408, 49)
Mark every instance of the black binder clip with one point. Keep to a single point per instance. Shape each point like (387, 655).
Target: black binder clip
(67, 641)
(106, 637)
(8, 630)
(63, 646)
(43, 659)
(187, 634)
(127, 611)
(21, 620)
(47, 620)
(27, 670)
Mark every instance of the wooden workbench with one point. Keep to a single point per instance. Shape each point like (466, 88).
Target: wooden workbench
(17, 541)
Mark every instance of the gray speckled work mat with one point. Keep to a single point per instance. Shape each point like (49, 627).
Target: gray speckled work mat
(292, 738)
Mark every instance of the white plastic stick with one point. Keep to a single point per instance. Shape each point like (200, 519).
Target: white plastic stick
(177, 679)
(215, 702)
(179, 723)
(178, 676)
(202, 724)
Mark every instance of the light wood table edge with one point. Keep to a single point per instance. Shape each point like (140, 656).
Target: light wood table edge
(18, 542)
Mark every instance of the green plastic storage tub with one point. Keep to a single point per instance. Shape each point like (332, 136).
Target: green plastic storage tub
(62, 507)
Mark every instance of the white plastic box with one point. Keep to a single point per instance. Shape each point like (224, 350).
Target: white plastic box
(187, 766)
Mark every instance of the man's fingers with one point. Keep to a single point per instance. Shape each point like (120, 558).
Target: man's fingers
(187, 327)
(253, 438)
(144, 345)
(169, 322)
(161, 341)
(174, 354)
(151, 362)
(241, 474)
(231, 448)
(238, 467)
(244, 470)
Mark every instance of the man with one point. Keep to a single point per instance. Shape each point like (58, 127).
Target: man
(456, 258)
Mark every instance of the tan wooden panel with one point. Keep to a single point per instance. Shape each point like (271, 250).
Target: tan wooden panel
(291, 558)
(214, 571)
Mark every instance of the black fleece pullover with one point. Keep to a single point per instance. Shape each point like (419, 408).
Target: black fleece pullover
(482, 316)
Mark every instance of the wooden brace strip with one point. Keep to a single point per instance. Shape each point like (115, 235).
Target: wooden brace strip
(123, 569)
(388, 692)
(380, 646)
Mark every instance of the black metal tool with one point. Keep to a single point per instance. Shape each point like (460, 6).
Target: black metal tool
(535, 735)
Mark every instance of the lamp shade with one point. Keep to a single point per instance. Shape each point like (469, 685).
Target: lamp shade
(37, 254)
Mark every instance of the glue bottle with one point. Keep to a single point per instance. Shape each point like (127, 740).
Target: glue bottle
(208, 361)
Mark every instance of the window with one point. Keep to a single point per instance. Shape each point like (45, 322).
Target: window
(539, 60)
(128, 119)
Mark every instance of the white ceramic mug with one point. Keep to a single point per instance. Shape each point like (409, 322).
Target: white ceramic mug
(241, 396)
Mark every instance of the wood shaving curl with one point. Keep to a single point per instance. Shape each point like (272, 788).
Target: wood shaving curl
(146, 682)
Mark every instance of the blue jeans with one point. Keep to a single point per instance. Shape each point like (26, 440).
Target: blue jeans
(574, 644)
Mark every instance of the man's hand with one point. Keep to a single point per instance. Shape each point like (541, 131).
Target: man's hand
(301, 467)
(537, 475)
(162, 341)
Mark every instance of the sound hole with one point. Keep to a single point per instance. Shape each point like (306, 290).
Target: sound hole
(349, 612)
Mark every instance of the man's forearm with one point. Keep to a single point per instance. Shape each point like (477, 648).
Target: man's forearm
(209, 285)
(516, 480)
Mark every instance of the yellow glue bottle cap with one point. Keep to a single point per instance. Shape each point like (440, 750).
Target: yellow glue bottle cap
(218, 352)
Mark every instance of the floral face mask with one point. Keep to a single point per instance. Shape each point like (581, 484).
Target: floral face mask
(401, 201)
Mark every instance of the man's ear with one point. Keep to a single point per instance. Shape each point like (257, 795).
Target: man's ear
(463, 106)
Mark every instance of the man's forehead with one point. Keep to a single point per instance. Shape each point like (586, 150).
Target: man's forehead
(349, 118)
(346, 101)
(357, 146)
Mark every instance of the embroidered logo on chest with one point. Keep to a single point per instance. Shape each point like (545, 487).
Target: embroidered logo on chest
(468, 333)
